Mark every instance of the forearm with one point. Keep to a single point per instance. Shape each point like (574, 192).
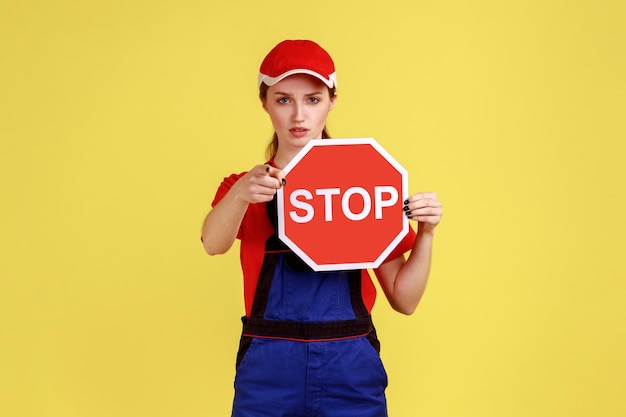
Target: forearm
(413, 276)
(221, 225)
(404, 282)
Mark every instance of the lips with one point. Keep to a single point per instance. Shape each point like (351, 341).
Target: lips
(298, 132)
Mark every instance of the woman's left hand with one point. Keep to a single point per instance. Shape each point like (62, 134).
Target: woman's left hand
(426, 209)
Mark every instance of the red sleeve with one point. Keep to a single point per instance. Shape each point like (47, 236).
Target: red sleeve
(368, 290)
(405, 245)
(225, 187)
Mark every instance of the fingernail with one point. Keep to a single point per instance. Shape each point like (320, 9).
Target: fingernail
(408, 214)
(406, 208)
(406, 201)
(284, 181)
(267, 169)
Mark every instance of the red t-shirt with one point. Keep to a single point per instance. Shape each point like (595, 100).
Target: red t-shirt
(256, 228)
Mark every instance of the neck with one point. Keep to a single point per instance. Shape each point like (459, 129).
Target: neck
(281, 159)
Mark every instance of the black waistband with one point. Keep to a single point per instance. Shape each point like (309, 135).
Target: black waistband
(299, 330)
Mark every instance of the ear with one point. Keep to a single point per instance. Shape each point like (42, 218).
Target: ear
(264, 104)
(333, 99)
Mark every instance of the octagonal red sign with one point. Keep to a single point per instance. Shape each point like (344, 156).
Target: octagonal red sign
(342, 205)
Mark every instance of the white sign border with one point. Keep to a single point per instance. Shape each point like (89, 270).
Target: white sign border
(344, 266)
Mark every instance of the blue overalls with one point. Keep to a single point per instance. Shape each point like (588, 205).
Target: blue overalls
(308, 348)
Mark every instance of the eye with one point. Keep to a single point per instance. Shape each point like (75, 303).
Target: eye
(314, 100)
(283, 100)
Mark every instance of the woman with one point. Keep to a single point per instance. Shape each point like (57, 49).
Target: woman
(308, 345)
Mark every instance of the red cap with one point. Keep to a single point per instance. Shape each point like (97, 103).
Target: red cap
(297, 57)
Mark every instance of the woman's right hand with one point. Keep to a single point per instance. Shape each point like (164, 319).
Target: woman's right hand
(260, 184)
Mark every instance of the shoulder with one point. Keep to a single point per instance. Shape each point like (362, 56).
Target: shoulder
(232, 178)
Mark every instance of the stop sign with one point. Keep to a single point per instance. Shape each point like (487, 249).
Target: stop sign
(342, 205)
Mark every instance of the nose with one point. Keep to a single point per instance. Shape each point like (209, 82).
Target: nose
(298, 113)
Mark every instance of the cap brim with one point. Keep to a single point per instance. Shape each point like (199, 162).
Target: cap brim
(270, 81)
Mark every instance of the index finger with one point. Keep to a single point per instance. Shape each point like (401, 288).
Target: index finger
(276, 173)
(423, 195)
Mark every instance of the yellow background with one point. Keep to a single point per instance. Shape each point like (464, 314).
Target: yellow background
(118, 120)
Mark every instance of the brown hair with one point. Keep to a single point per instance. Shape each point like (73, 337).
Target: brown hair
(272, 147)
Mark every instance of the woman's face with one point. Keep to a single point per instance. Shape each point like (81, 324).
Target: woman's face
(298, 107)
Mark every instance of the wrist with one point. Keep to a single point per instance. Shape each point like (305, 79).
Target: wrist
(425, 230)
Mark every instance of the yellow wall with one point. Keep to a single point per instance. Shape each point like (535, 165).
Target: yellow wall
(118, 120)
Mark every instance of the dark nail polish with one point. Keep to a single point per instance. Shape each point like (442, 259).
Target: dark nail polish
(267, 169)
(284, 181)
(406, 208)
(408, 214)
(406, 201)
